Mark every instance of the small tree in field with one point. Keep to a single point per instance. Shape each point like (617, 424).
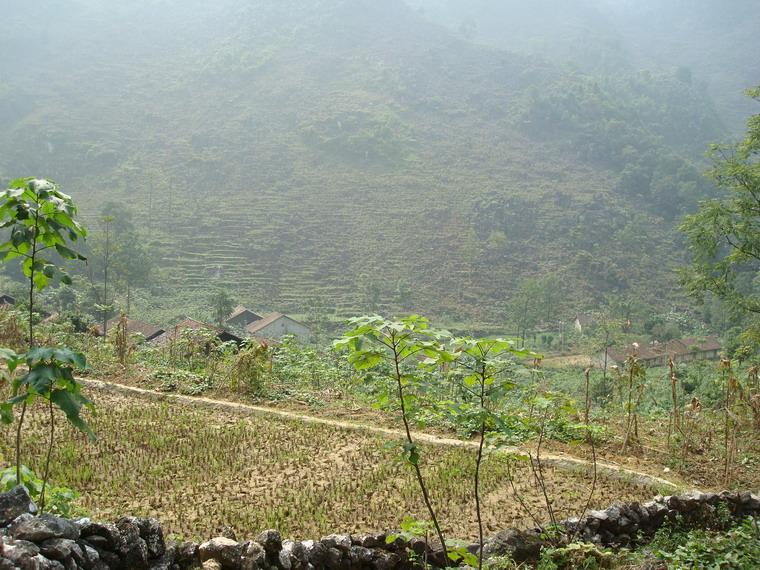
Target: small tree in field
(485, 363)
(634, 373)
(41, 220)
(374, 342)
(221, 305)
(49, 377)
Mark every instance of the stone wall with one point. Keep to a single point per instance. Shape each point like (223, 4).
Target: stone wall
(46, 542)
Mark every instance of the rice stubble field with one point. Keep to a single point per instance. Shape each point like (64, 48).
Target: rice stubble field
(199, 469)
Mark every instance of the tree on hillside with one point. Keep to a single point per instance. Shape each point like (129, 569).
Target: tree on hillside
(404, 294)
(535, 300)
(523, 309)
(724, 235)
(550, 294)
(106, 252)
(370, 290)
(119, 260)
(221, 305)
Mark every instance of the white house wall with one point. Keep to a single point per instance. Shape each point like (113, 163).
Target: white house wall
(283, 327)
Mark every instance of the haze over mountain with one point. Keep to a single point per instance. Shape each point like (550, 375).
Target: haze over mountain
(712, 41)
(363, 154)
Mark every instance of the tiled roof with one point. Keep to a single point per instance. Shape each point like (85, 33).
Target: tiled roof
(189, 323)
(266, 321)
(134, 326)
(241, 310)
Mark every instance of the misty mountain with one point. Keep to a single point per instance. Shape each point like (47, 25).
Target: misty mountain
(713, 42)
(356, 154)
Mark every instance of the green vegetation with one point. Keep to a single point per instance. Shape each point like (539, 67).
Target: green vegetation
(41, 222)
(56, 500)
(374, 341)
(737, 548)
(41, 219)
(734, 547)
(723, 235)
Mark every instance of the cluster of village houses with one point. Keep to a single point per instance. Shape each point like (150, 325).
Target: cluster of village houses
(658, 353)
(243, 321)
(275, 326)
(272, 328)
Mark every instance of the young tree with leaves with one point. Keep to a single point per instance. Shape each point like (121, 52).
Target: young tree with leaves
(41, 221)
(375, 341)
(724, 235)
(49, 377)
(221, 306)
(484, 363)
(525, 308)
(118, 257)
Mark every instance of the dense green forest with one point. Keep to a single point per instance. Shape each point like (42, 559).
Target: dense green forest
(343, 157)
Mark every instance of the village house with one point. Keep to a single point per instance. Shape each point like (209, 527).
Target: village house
(276, 326)
(657, 353)
(241, 317)
(191, 324)
(149, 332)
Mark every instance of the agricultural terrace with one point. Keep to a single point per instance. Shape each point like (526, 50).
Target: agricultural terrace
(200, 469)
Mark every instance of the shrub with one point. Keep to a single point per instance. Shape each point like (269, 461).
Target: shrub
(182, 381)
(737, 548)
(58, 500)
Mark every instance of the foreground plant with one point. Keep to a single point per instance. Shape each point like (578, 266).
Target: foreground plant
(375, 341)
(485, 363)
(633, 393)
(49, 377)
(41, 219)
(58, 500)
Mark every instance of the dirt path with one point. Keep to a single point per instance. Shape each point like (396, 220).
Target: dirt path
(563, 461)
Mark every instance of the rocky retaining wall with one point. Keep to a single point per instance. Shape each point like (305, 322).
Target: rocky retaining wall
(46, 542)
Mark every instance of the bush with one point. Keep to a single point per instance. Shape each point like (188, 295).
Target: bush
(577, 555)
(737, 548)
(182, 381)
(58, 500)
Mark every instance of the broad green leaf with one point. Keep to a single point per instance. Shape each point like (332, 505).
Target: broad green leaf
(39, 354)
(41, 378)
(365, 359)
(11, 358)
(6, 412)
(71, 404)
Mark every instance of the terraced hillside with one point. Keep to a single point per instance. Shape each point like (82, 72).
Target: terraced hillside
(350, 152)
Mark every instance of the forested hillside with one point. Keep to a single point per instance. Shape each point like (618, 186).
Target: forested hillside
(354, 155)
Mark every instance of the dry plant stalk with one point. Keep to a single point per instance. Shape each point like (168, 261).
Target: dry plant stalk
(587, 406)
(632, 424)
(675, 416)
(10, 331)
(730, 423)
(752, 397)
(121, 340)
